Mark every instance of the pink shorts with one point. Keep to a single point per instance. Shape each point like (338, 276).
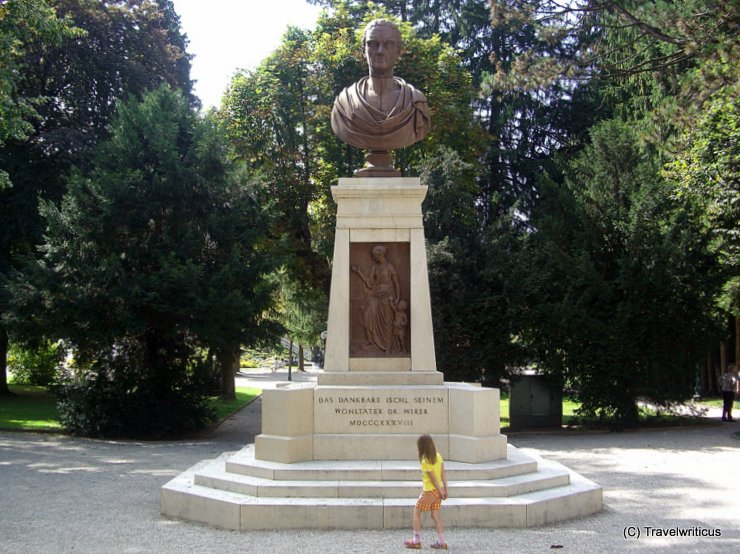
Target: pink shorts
(429, 501)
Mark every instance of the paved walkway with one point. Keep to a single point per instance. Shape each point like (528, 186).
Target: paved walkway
(62, 494)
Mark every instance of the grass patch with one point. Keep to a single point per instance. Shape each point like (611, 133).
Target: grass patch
(224, 408)
(711, 402)
(35, 408)
(29, 409)
(651, 419)
(504, 410)
(648, 416)
(569, 408)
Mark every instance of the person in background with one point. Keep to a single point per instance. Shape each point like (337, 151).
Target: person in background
(729, 390)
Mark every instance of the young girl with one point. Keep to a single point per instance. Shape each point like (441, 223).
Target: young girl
(434, 481)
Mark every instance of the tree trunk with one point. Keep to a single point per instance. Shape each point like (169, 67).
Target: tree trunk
(704, 375)
(229, 361)
(722, 358)
(737, 339)
(300, 358)
(4, 390)
(290, 361)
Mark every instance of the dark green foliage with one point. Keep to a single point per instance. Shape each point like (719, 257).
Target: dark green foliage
(21, 23)
(123, 403)
(707, 173)
(617, 284)
(67, 79)
(472, 323)
(154, 254)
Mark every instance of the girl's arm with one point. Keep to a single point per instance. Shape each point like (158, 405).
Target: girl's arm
(444, 482)
(441, 489)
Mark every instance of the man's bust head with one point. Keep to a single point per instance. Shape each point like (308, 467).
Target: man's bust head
(381, 44)
(380, 112)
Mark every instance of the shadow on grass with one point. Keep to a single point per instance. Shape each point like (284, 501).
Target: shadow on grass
(31, 408)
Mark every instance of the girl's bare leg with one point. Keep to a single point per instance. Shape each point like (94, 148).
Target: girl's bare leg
(438, 526)
(417, 522)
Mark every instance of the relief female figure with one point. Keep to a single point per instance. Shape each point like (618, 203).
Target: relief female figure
(383, 293)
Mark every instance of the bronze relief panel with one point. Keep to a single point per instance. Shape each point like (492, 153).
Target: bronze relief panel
(379, 320)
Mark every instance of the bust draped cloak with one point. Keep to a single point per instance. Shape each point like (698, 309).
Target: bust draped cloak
(360, 124)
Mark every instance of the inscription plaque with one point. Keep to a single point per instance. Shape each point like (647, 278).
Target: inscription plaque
(381, 410)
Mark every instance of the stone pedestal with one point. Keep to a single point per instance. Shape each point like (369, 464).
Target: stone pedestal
(379, 422)
(379, 211)
(370, 403)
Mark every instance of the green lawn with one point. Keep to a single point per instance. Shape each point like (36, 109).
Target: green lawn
(648, 418)
(34, 408)
(569, 408)
(244, 395)
(31, 409)
(714, 402)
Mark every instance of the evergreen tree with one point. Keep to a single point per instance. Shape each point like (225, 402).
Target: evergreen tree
(22, 23)
(68, 73)
(467, 269)
(155, 253)
(616, 286)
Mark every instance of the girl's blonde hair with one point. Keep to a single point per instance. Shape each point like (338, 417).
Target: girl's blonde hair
(426, 448)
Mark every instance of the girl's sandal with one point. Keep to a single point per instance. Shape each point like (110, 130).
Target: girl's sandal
(411, 543)
(439, 545)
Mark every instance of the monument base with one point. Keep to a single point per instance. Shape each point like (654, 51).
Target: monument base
(242, 493)
(341, 454)
(380, 419)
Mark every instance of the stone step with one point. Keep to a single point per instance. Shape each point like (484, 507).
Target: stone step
(183, 498)
(216, 476)
(244, 463)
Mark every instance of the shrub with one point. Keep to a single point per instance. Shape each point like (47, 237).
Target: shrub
(98, 406)
(35, 366)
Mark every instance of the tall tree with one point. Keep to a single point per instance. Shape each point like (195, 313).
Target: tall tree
(472, 321)
(644, 52)
(268, 115)
(154, 252)
(706, 172)
(617, 285)
(22, 23)
(304, 315)
(73, 82)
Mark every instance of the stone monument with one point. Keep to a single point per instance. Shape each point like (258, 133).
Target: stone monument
(341, 453)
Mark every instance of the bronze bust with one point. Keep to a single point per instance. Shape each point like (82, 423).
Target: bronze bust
(380, 112)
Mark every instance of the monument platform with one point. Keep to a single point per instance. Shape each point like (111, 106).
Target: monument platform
(242, 493)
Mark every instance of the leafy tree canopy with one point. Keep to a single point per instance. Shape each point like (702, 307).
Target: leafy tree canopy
(155, 252)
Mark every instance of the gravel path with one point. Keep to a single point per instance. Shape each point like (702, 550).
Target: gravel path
(62, 494)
